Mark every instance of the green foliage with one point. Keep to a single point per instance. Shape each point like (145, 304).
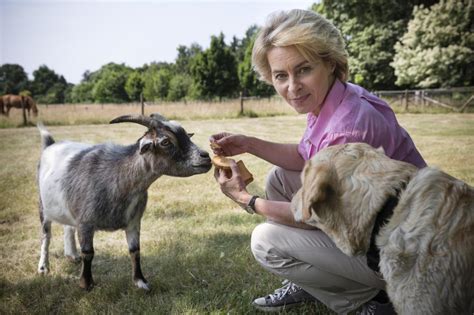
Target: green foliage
(157, 81)
(48, 87)
(134, 86)
(82, 92)
(214, 71)
(106, 85)
(185, 57)
(437, 49)
(13, 79)
(179, 87)
(239, 46)
(111, 88)
(371, 29)
(249, 83)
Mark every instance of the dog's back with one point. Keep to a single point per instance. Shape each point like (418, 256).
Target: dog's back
(427, 248)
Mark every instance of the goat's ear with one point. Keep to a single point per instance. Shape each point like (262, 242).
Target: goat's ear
(316, 187)
(190, 135)
(145, 145)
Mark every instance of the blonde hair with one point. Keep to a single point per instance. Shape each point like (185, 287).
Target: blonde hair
(311, 34)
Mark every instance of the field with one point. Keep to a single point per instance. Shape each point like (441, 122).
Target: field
(194, 242)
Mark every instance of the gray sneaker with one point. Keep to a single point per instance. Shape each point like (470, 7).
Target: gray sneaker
(283, 298)
(376, 308)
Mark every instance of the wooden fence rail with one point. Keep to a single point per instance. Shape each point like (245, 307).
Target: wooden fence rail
(455, 99)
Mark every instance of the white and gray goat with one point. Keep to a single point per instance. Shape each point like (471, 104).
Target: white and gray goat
(104, 186)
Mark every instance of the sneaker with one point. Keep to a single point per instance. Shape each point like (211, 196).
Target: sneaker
(285, 297)
(376, 308)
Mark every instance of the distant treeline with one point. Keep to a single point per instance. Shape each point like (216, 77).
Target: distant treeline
(392, 45)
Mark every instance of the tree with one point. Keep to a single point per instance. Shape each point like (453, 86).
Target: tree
(214, 71)
(185, 57)
(179, 87)
(249, 82)
(371, 28)
(437, 49)
(134, 86)
(110, 88)
(156, 81)
(106, 85)
(13, 79)
(82, 92)
(47, 86)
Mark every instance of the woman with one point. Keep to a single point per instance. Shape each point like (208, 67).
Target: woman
(303, 56)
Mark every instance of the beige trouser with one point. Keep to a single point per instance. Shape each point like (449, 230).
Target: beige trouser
(310, 258)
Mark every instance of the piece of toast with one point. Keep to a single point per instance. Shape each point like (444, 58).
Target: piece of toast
(224, 163)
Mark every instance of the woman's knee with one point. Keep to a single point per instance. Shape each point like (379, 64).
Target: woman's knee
(261, 241)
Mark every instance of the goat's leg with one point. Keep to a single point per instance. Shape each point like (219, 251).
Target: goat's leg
(133, 239)
(70, 250)
(43, 264)
(86, 235)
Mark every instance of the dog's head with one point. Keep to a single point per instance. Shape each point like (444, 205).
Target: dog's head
(344, 187)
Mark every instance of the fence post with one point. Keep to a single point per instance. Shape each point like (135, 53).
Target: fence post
(142, 104)
(423, 99)
(241, 103)
(406, 100)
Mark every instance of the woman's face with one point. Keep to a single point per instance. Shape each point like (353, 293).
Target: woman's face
(302, 84)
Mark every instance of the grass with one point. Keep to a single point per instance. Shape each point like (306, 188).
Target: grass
(195, 242)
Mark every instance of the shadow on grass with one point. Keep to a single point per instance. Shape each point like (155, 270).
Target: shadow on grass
(200, 275)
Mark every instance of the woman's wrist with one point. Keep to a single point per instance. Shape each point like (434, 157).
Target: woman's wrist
(243, 199)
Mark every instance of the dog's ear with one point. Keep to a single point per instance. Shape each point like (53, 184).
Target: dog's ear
(381, 150)
(316, 187)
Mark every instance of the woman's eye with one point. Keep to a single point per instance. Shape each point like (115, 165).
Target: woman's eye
(304, 70)
(280, 76)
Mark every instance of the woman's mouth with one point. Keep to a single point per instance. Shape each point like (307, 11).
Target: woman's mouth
(300, 99)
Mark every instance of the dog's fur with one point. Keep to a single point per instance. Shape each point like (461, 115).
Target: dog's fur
(427, 246)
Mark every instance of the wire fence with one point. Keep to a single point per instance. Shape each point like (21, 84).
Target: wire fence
(453, 99)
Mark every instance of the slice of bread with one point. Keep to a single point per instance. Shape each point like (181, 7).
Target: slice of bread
(224, 163)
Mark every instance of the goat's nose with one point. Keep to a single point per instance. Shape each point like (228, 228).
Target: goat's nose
(204, 154)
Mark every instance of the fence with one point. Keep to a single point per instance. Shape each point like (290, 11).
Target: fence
(454, 99)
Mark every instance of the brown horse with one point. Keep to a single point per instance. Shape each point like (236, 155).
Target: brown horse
(18, 101)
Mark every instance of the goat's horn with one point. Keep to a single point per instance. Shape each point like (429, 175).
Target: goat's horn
(158, 117)
(142, 120)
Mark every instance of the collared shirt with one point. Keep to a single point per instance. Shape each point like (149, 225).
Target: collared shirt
(352, 114)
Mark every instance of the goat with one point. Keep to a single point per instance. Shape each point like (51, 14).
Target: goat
(104, 186)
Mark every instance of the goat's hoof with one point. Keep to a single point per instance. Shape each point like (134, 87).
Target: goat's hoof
(86, 285)
(43, 270)
(142, 285)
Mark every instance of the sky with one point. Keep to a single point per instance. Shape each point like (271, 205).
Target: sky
(73, 36)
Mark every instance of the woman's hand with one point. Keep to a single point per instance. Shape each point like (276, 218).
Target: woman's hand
(233, 187)
(229, 144)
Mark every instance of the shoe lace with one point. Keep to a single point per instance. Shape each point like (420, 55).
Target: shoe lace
(288, 288)
(368, 309)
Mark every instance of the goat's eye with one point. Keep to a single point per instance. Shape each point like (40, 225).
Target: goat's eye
(165, 142)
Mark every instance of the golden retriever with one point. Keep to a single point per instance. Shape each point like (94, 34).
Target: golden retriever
(427, 245)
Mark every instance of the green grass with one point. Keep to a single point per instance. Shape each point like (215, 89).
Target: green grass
(195, 242)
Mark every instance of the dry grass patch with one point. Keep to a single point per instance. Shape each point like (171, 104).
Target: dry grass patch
(195, 242)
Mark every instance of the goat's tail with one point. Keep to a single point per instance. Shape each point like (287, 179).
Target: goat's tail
(46, 137)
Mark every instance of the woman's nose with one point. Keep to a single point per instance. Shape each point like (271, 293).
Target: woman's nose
(294, 84)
